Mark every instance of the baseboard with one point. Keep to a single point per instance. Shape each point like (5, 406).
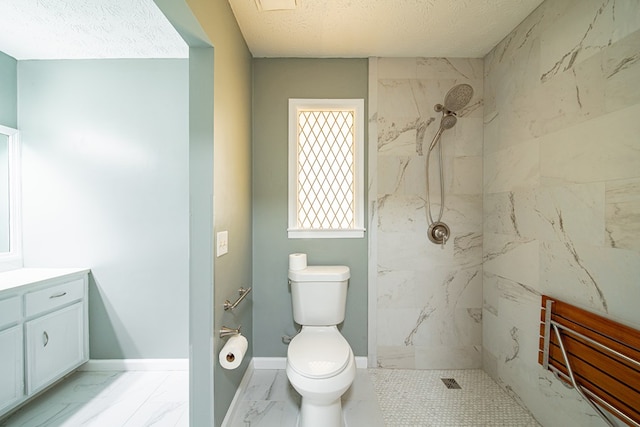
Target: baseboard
(362, 362)
(183, 364)
(281, 362)
(269, 362)
(136, 365)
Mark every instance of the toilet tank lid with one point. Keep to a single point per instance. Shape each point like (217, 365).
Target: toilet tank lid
(320, 273)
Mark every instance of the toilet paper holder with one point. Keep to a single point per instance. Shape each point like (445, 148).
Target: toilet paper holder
(229, 332)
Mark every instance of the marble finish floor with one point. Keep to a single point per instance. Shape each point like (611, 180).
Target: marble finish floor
(110, 399)
(390, 397)
(270, 401)
(378, 397)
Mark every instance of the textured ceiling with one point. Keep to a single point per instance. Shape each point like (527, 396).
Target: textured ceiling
(386, 28)
(73, 29)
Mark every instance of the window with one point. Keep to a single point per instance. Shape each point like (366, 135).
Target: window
(326, 168)
(10, 237)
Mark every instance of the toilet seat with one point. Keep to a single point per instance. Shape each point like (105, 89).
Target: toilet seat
(318, 352)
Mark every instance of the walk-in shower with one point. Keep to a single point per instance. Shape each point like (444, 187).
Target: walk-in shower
(454, 101)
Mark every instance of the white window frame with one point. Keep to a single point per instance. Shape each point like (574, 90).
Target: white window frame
(357, 106)
(13, 259)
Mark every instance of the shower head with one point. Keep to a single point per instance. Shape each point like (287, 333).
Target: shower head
(458, 97)
(448, 121)
(455, 100)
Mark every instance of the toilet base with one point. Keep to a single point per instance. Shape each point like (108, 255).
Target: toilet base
(320, 414)
(321, 405)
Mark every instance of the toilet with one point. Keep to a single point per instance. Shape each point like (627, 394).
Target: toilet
(320, 363)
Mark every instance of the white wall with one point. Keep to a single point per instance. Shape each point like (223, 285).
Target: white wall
(428, 302)
(8, 90)
(105, 186)
(561, 187)
(4, 193)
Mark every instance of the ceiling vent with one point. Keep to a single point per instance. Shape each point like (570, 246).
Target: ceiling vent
(268, 5)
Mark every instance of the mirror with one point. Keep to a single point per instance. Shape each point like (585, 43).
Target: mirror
(10, 240)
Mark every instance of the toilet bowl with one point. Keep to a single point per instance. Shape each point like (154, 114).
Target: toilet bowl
(321, 368)
(320, 363)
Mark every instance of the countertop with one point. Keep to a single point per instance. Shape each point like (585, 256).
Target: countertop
(28, 276)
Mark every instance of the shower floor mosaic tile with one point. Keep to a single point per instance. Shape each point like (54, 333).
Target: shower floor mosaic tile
(421, 398)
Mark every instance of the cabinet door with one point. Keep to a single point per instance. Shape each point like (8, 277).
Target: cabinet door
(55, 345)
(11, 366)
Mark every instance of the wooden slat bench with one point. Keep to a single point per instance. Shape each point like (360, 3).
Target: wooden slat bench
(603, 357)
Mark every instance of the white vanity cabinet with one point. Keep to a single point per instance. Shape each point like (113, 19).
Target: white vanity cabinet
(11, 355)
(43, 330)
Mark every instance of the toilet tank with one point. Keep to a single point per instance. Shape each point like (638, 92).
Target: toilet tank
(319, 294)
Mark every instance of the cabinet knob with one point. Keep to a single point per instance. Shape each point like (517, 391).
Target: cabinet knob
(45, 339)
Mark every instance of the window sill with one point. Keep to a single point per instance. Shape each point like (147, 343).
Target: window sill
(354, 233)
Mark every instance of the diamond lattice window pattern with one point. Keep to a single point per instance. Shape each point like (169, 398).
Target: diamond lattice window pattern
(326, 192)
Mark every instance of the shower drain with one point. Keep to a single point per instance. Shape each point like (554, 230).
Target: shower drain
(450, 383)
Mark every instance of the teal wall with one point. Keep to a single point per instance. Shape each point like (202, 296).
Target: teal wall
(202, 361)
(274, 82)
(8, 91)
(231, 185)
(105, 155)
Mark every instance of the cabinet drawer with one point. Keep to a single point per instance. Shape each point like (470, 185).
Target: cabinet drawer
(55, 345)
(54, 296)
(10, 311)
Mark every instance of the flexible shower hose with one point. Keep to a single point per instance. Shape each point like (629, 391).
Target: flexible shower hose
(430, 218)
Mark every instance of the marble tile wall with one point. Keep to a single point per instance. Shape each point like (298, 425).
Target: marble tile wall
(561, 186)
(429, 298)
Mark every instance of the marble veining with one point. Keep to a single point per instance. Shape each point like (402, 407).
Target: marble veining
(427, 294)
(512, 214)
(515, 344)
(425, 313)
(467, 242)
(587, 278)
(269, 400)
(623, 64)
(568, 59)
(561, 192)
(96, 399)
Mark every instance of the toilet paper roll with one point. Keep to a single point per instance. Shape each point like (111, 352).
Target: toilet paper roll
(233, 352)
(297, 261)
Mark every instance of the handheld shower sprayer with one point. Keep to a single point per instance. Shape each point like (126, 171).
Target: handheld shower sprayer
(456, 99)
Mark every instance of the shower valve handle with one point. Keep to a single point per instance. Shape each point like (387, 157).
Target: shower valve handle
(444, 240)
(439, 233)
